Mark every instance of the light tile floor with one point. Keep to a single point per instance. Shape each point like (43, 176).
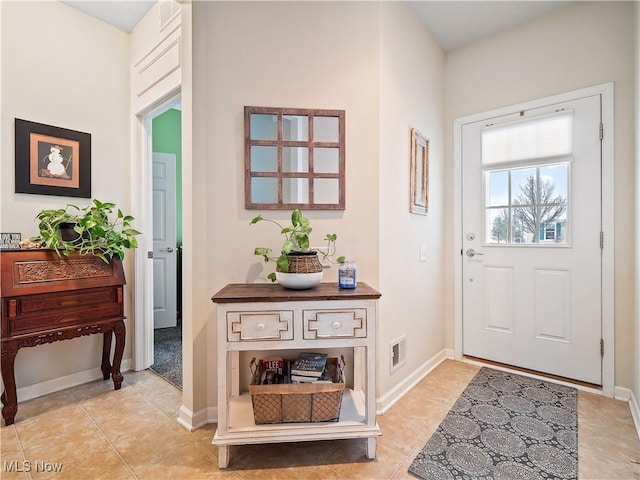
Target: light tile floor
(94, 432)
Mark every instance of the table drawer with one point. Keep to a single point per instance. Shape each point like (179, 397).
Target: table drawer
(260, 325)
(338, 323)
(61, 318)
(69, 300)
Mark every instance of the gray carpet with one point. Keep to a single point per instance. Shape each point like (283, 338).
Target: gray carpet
(505, 427)
(167, 354)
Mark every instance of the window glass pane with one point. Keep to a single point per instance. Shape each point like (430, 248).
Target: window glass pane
(264, 159)
(295, 127)
(325, 129)
(555, 230)
(326, 160)
(295, 159)
(536, 138)
(524, 225)
(524, 190)
(553, 182)
(264, 190)
(264, 126)
(497, 225)
(295, 190)
(497, 188)
(326, 190)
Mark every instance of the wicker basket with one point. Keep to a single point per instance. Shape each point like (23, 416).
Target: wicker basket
(304, 262)
(297, 402)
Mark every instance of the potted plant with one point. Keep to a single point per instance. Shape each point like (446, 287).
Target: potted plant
(93, 229)
(296, 257)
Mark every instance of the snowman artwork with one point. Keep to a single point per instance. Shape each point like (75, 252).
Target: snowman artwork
(55, 166)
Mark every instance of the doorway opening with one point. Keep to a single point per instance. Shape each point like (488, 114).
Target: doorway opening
(166, 208)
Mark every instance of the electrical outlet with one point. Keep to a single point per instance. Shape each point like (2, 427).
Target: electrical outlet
(423, 253)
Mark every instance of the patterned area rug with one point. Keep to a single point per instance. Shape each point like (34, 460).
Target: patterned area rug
(505, 427)
(167, 354)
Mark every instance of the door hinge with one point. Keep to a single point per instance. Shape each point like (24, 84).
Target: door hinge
(601, 240)
(601, 131)
(601, 347)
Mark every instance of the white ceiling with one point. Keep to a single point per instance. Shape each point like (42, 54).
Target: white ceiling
(457, 23)
(124, 14)
(452, 23)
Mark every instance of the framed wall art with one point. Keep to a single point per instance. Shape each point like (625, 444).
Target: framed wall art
(419, 189)
(52, 160)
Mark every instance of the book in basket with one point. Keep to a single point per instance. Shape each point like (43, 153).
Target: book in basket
(309, 364)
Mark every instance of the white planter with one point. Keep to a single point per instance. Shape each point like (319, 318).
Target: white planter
(299, 281)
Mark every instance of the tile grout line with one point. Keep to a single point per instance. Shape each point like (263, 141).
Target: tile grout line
(173, 420)
(24, 458)
(115, 450)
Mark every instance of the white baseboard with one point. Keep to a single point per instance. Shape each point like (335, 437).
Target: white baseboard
(621, 393)
(635, 412)
(56, 384)
(192, 421)
(390, 398)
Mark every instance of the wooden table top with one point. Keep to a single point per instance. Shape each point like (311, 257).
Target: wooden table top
(274, 292)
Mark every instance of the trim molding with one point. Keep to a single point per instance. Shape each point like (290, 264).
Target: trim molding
(192, 421)
(61, 383)
(635, 411)
(390, 398)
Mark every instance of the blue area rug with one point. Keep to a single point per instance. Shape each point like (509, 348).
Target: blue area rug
(505, 427)
(167, 354)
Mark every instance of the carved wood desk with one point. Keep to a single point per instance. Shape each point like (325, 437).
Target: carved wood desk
(47, 298)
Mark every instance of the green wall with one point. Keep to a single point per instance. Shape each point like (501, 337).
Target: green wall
(166, 131)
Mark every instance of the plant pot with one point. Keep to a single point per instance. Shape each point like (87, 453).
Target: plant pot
(304, 262)
(299, 281)
(67, 233)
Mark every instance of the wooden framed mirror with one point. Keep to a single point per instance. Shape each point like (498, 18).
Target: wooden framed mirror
(294, 158)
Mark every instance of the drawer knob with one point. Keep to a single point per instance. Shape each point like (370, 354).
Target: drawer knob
(337, 325)
(260, 326)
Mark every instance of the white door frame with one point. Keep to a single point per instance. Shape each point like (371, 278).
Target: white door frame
(142, 191)
(606, 90)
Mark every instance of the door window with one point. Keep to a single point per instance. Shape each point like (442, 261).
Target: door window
(527, 205)
(526, 169)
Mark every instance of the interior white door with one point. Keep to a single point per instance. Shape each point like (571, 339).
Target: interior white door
(165, 312)
(531, 226)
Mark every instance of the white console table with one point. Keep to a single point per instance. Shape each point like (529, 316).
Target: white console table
(266, 317)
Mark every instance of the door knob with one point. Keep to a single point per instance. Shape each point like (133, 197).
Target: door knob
(472, 253)
(168, 249)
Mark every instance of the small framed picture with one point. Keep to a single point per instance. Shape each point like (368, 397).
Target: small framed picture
(52, 160)
(419, 188)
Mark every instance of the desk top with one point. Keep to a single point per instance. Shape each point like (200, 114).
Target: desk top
(273, 292)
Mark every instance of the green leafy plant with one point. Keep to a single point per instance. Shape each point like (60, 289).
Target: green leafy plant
(296, 239)
(98, 231)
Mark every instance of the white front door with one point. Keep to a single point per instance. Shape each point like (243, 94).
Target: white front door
(531, 228)
(165, 312)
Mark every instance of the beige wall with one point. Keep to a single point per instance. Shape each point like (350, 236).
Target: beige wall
(289, 54)
(411, 86)
(61, 67)
(586, 44)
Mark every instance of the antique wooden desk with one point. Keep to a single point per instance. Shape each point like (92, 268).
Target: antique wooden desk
(47, 298)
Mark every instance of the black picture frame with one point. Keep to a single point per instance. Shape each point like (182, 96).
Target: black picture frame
(52, 160)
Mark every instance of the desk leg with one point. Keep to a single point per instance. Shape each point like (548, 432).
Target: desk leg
(119, 331)
(223, 456)
(106, 353)
(9, 397)
(371, 448)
